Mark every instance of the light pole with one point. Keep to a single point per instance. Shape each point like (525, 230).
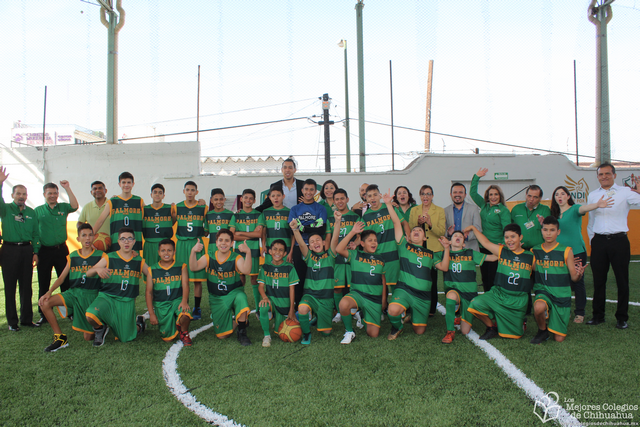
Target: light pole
(343, 45)
(361, 137)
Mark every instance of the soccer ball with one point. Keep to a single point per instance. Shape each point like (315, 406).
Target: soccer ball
(290, 331)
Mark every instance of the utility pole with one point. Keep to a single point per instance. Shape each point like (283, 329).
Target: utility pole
(600, 15)
(198, 109)
(326, 102)
(343, 44)
(427, 125)
(361, 137)
(393, 155)
(114, 23)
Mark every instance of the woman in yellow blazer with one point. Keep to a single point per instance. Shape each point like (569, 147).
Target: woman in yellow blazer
(432, 219)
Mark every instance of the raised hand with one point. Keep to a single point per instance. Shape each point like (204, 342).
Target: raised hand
(244, 248)
(198, 246)
(444, 241)
(338, 216)
(482, 172)
(3, 174)
(605, 203)
(358, 227)
(64, 184)
(387, 198)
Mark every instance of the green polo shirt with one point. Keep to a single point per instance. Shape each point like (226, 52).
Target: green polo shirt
(19, 226)
(529, 224)
(53, 223)
(91, 212)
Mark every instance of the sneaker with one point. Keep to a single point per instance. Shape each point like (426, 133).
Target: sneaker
(306, 339)
(540, 337)
(358, 318)
(141, 324)
(14, 328)
(348, 337)
(41, 322)
(266, 341)
(243, 338)
(59, 341)
(70, 318)
(314, 321)
(491, 332)
(337, 318)
(457, 321)
(578, 319)
(394, 333)
(448, 338)
(196, 313)
(406, 319)
(30, 325)
(100, 335)
(186, 339)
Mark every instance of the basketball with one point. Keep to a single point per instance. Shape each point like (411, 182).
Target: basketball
(290, 331)
(102, 242)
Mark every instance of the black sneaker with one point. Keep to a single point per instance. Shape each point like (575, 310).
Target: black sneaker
(41, 322)
(30, 325)
(59, 341)
(491, 332)
(100, 335)
(394, 333)
(540, 337)
(243, 338)
(141, 324)
(14, 328)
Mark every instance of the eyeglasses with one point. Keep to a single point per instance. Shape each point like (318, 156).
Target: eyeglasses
(427, 194)
(127, 239)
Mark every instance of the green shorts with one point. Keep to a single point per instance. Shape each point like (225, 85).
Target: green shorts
(508, 310)
(169, 314)
(277, 316)
(557, 317)
(342, 273)
(77, 300)
(183, 252)
(419, 307)
(371, 311)
(118, 313)
(224, 307)
(465, 299)
(323, 308)
(150, 253)
(392, 272)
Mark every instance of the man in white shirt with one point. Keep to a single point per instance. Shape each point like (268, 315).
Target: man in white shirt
(607, 231)
(291, 186)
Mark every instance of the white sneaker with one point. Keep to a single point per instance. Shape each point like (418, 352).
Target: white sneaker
(337, 318)
(382, 317)
(348, 337)
(358, 318)
(266, 341)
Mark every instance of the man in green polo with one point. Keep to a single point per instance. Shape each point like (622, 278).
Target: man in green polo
(52, 220)
(19, 253)
(528, 216)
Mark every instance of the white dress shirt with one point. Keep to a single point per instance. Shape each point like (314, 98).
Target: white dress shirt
(614, 219)
(290, 195)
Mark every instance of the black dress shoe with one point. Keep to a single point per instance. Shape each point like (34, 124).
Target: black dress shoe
(41, 322)
(29, 325)
(622, 324)
(595, 321)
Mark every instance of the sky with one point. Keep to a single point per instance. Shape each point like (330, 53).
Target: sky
(503, 72)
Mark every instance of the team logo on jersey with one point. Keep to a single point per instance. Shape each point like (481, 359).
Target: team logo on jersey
(307, 216)
(190, 213)
(166, 273)
(248, 217)
(517, 259)
(378, 215)
(157, 214)
(276, 270)
(579, 190)
(371, 257)
(126, 205)
(219, 268)
(218, 217)
(84, 262)
(546, 257)
(496, 210)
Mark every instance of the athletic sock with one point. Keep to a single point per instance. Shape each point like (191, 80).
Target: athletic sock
(256, 296)
(336, 300)
(347, 322)
(396, 321)
(264, 322)
(304, 323)
(242, 325)
(196, 303)
(450, 316)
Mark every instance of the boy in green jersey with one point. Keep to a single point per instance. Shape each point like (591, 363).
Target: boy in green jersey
(276, 283)
(115, 306)
(124, 210)
(226, 291)
(318, 284)
(276, 224)
(246, 225)
(460, 285)
(378, 219)
(342, 271)
(81, 293)
(555, 269)
(216, 219)
(507, 300)
(413, 290)
(367, 291)
(157, 224)
(167, 294)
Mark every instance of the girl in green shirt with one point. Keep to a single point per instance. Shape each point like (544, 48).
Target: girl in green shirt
(403, 198)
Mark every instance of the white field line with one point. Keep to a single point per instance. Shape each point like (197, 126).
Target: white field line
(530, 388)
(174, 382)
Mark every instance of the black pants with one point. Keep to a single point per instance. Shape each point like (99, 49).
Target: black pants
(614, 250)
(301, 269)
(51, 257)
(578, 287)
(17, 268)
(488, 271)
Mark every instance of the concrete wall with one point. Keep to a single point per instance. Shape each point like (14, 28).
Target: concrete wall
(174, 163)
